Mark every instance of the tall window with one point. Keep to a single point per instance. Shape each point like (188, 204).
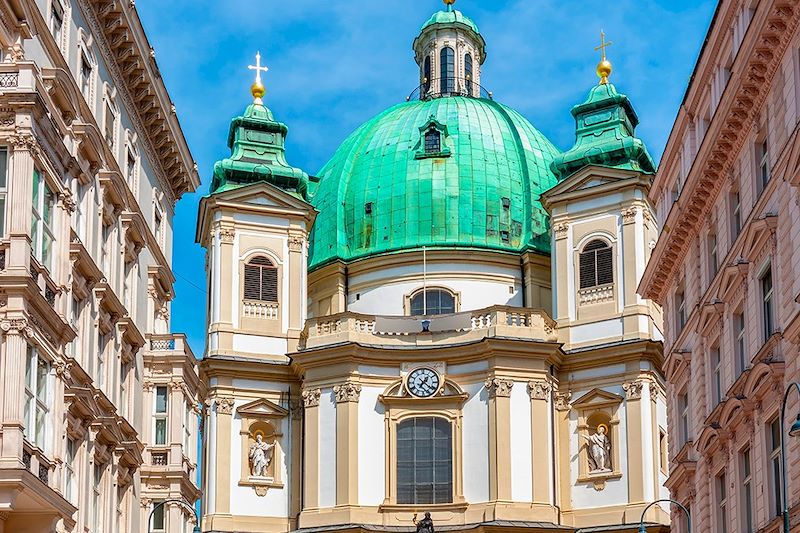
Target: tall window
(44, 201)
(70, 489)
(683, 414)
(596, 265)
(774, 447)
(158, 522)
(739, 347)
(680, 310)
(260, 280)
(130, 169)
(433, 302)
(187, 427)
(433, 141)
(722, 503)
(767, 310)
(3, 187)
(37, 401)
(109, 124)
(124, 369)
(57, 20)
(426, 74)
(447, 70)
(100, 367)
(158, 225)
(716, 378)
(468, 74)
(161, 416)
(97, 499)
(736, 214)
(424, 461)
(762, 155)
(713, 261)
(662, 449)
(86, 76)
(747, 490)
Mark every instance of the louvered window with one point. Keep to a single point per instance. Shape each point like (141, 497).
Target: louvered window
(596, 265)
(261, 280)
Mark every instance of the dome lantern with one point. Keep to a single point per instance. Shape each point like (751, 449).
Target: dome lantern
(449, 51)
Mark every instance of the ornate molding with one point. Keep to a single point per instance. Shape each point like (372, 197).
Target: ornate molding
(311, 397)
(295, 244)
(67, 201)
(347, 392)
(560, 230)
(539, 389)
(633, 389)
(498, 387)
(14, 326)
(562, 401)
(227, 235)
(24, 140)
(629, 215)
(224, 405)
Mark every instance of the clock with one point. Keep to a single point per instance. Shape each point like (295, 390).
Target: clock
(423, 382)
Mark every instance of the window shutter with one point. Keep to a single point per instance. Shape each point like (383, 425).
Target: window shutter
(605, 267)
(269, 284)
(587, 269)
(252, 284)
(261, 280)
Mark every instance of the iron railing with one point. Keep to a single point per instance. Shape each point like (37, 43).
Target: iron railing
(440, 87)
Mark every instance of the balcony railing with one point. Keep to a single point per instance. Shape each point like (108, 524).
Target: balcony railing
(440, 87)
(596, 295)
(497, 321)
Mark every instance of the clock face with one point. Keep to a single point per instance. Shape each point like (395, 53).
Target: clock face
(423, 382)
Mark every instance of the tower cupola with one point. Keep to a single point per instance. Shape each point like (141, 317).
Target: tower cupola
(449, 51)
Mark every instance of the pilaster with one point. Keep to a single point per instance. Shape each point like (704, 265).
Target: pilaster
(13, 373)
(541, 461)
(311, 448)
(499, 391)
(224, 412)
(347, 396)
(633, 420)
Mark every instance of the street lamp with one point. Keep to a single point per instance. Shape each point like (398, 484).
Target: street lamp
(643, 528)
(185, 504)
(794, 431)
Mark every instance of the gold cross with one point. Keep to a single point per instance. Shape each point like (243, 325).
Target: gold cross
(603, 44)
(258, 68)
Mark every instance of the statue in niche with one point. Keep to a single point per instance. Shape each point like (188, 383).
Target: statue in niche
(260, 456)
(599, 447)
(426, 524)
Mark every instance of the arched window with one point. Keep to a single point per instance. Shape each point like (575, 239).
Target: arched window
(433, 302)
(468, 73)
(426, 74)
(447, 70)
(260, 280)
(596, 265)
(433, 141)
(424, 461)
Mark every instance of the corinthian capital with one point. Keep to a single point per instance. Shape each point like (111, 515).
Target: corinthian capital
(311, 397)
(499, 387)
(539, 389)
(347, 392)
(633, 389)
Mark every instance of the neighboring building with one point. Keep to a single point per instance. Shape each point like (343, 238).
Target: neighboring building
(92, 161)
(380, 341)
(726, 270)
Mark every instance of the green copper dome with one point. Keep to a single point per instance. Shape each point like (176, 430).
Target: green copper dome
(387, 190)
(450, 17)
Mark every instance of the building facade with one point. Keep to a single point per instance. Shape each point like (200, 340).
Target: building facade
(725, 270)
(98, 402)
(381, 340)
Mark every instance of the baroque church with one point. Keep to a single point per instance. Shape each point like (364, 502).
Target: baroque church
(443, 319)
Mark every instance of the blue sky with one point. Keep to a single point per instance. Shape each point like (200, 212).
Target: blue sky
(335, 64)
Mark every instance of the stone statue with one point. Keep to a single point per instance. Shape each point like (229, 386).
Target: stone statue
(599, 446)
(426, 524)
(260, 457)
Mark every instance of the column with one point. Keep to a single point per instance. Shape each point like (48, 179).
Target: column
(347, 395)
(541, 462)
(12, 369)
(499, 391)
(311, 449)
(222, 460)
(562, 455)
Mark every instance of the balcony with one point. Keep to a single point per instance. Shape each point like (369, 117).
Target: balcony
(19, 76)
(260, 310)
(496, 321)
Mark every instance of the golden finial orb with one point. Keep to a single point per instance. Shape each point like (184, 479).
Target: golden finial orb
(449, 2)
(604, 66)
(258, 90)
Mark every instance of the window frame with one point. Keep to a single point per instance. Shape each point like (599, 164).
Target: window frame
(715, 356)
(415, 484)
(447, 70)
(680, 310)
(589, 252)
(740, 341)
(746, 473)
(86, 74)
(721, 500)
(267, 288)
(43, 203)
(774, 467)
(4, 160)
(38, 398)
(469, 73)
(683, 417)
(762, 162)
(767, 287)
(161, 417)
(735, 206)
(425, 290)
(71, 448)
(712, 246)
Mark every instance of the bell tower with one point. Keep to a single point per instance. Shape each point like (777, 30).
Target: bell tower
(254, 225)
(449, 51)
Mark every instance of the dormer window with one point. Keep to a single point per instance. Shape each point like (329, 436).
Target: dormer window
(433, 141)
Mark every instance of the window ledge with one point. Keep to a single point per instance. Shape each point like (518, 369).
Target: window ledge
(597, 294)
(432, 155)
(432, 507)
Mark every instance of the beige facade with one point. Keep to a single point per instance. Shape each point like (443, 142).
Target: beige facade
(92, 161)
(726, 270)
